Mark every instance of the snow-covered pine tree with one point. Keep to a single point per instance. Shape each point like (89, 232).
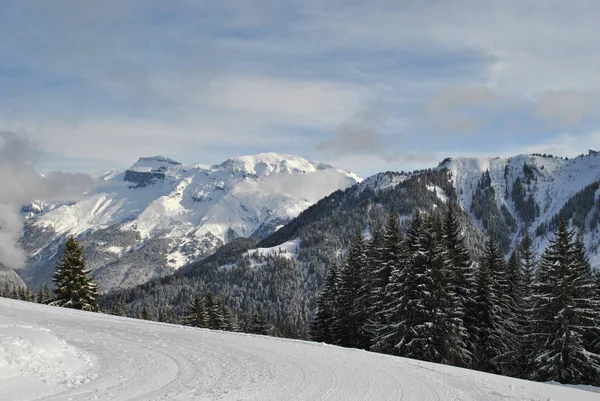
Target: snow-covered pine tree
(528, 260)
(195, 313)
(260, 325)
(387, 255)
(567, 315)
(517, 295)
(448, 331)
(416, 328)
(529, 264)
(322, 324)
(366, 301)
(495, 340)
(214, 313)
(393, 310)
(351, 317)
(74, 287)
(462, 270)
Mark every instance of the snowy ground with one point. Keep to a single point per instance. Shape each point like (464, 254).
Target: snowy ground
(64, 354)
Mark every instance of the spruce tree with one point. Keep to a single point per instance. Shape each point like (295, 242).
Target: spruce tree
(528, 260)
(117, 309)
(260, 325)
(387, 256)
(529, 263)
(517, 302)
(567, 314)
(74, 287)
(366, 302)
(322, 325)
(351, 317)
(495, 342)
(214, 313)
(195, 313)
(462, 276)
(398, 292)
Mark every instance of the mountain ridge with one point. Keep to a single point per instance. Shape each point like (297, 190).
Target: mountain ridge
(164, 214)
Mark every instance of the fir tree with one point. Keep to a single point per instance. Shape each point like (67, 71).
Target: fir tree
(117, 309)
(214, 313)
(463, 282)
(398, 292)
(321, 328)
(528, 260)
(350, 317)
(567, 314)
(195, 313)
(495, 343)
(367, 297)
(73, 286)
(260, 325)
(517, 302)
(386, 256)
(145, 314)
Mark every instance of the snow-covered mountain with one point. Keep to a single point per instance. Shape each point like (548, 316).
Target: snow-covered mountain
(59, 354)
(530, 193)
(9, 278)
(159, 214)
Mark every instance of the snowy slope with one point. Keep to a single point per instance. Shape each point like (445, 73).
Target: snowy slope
(9, 278)
(159, 214)
(555, 182)
(60, 354)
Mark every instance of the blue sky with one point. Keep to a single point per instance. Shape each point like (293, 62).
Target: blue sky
(366, 86)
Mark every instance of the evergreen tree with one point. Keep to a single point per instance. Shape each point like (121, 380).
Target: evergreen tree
(448, 331)
(398, 292)
(145, 314)
(517, 302)
(260, 325)
(495, 343)
(230, 323)
(350, 317)
(567, 314)
(367, 297)
(195, 314)
(214, 313)
(528, 260)
(462, 277)
(117, 309)
(321, 328)
(74, 288)
(386, 256)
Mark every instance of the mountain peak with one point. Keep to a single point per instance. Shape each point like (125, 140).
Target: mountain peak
(264, 164)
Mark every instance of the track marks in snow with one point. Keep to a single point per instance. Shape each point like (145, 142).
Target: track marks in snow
(140, 360)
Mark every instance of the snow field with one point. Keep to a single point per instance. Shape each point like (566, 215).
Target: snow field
(60, 354)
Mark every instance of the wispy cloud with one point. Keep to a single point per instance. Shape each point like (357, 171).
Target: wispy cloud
(21, 183)
(296, 75)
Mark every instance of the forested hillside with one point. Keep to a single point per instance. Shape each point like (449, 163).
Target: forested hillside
(283, 281)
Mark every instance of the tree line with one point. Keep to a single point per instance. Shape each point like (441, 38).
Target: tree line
(75, 288)
(423, 296)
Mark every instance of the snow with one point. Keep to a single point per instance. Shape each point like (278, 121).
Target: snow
(65, 354)
(556, 181)
(288, 250)
(241, 193)
(439, 192)
(193, 206)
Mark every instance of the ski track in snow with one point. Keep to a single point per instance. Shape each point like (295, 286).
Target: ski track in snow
(140, 360)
